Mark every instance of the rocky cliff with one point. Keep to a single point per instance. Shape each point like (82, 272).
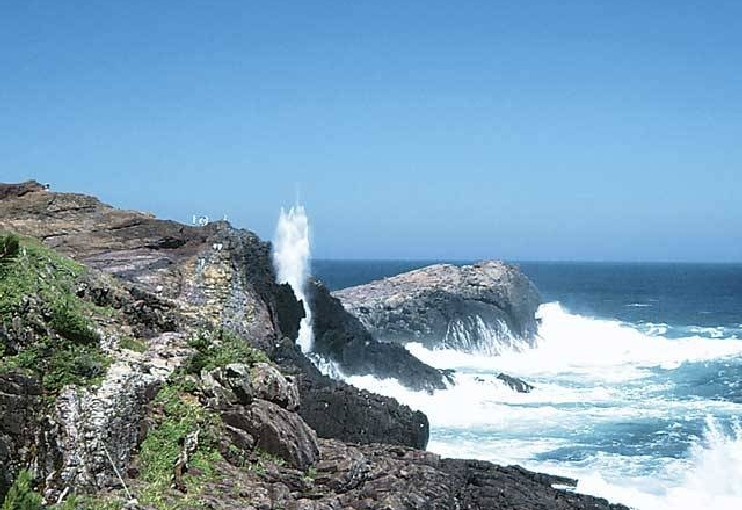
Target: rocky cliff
(154, 283)
(476, 308)
(152, 365)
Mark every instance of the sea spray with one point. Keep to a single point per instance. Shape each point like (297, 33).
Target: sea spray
(291, 258)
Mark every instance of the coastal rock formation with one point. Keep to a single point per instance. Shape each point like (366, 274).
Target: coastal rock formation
(152, 283)
(514, 383)
(340, 411)
(340, 337)
(21, 425)
(130, 377)
(482, 307)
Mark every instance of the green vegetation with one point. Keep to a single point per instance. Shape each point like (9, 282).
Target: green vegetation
(180, 416)
(132, 344)
(57, 342)
(221, 348)
(310, 474)
(21, 495)
(9, 248)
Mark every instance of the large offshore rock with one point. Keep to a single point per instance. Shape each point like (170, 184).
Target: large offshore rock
(342, 338)
(480, 307)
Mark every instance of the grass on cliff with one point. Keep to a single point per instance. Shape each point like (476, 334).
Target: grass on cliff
(179, 413)
(45, 329)
(220, 348)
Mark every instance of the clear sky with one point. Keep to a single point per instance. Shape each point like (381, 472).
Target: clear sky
(575, 130)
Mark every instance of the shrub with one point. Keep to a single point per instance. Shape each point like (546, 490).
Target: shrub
(9, 247)
(21, 495)
(39, 288)
(219, 349)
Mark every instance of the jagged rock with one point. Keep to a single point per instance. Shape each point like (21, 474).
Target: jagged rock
(269, 384)
(342, 338)
(18, 190)
(236, 378)
(99, 429)
(22, 427)
(217, 396)
(515, 383)
(341, 411)
(276, 431)
(479, 307)
(337, 410)
(238, 383)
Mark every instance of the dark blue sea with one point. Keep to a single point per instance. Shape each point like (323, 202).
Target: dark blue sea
(638, 375)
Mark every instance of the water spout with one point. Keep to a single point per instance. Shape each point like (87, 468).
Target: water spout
(291, 253)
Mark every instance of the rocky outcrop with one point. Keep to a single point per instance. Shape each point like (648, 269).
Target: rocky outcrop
(381, 477)
(340, 337)
(257, 405)
(97, 430)
(276, 431)
(158, 279)
(337, 410)
(22, 427)
(482, 307)
(18, 190)
(514, 383)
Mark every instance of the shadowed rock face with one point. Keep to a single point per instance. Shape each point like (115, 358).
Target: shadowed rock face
(480, 307)
(341, 337)
(340, 411)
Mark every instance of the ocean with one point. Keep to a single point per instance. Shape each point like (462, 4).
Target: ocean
(638, 382)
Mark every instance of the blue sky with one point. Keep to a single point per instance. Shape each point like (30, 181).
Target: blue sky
(578, 130)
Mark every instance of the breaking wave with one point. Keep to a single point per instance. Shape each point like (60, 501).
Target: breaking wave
(611, 407)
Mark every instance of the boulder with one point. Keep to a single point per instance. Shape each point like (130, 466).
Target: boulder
(237, 383)
(269, 384)
(276, 431)
(515, 383)
(484, 307)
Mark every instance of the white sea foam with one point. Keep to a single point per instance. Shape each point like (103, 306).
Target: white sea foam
(708, 478)
(474, 335)
(598, 349)
(589, 375)
(291, 258)
(326, 366)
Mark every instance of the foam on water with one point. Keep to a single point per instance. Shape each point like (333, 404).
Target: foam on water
(602, 349)
(591, 377)
(708, 478)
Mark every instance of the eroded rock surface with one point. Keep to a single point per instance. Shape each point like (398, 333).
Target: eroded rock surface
(340, 337)
(480, 307)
